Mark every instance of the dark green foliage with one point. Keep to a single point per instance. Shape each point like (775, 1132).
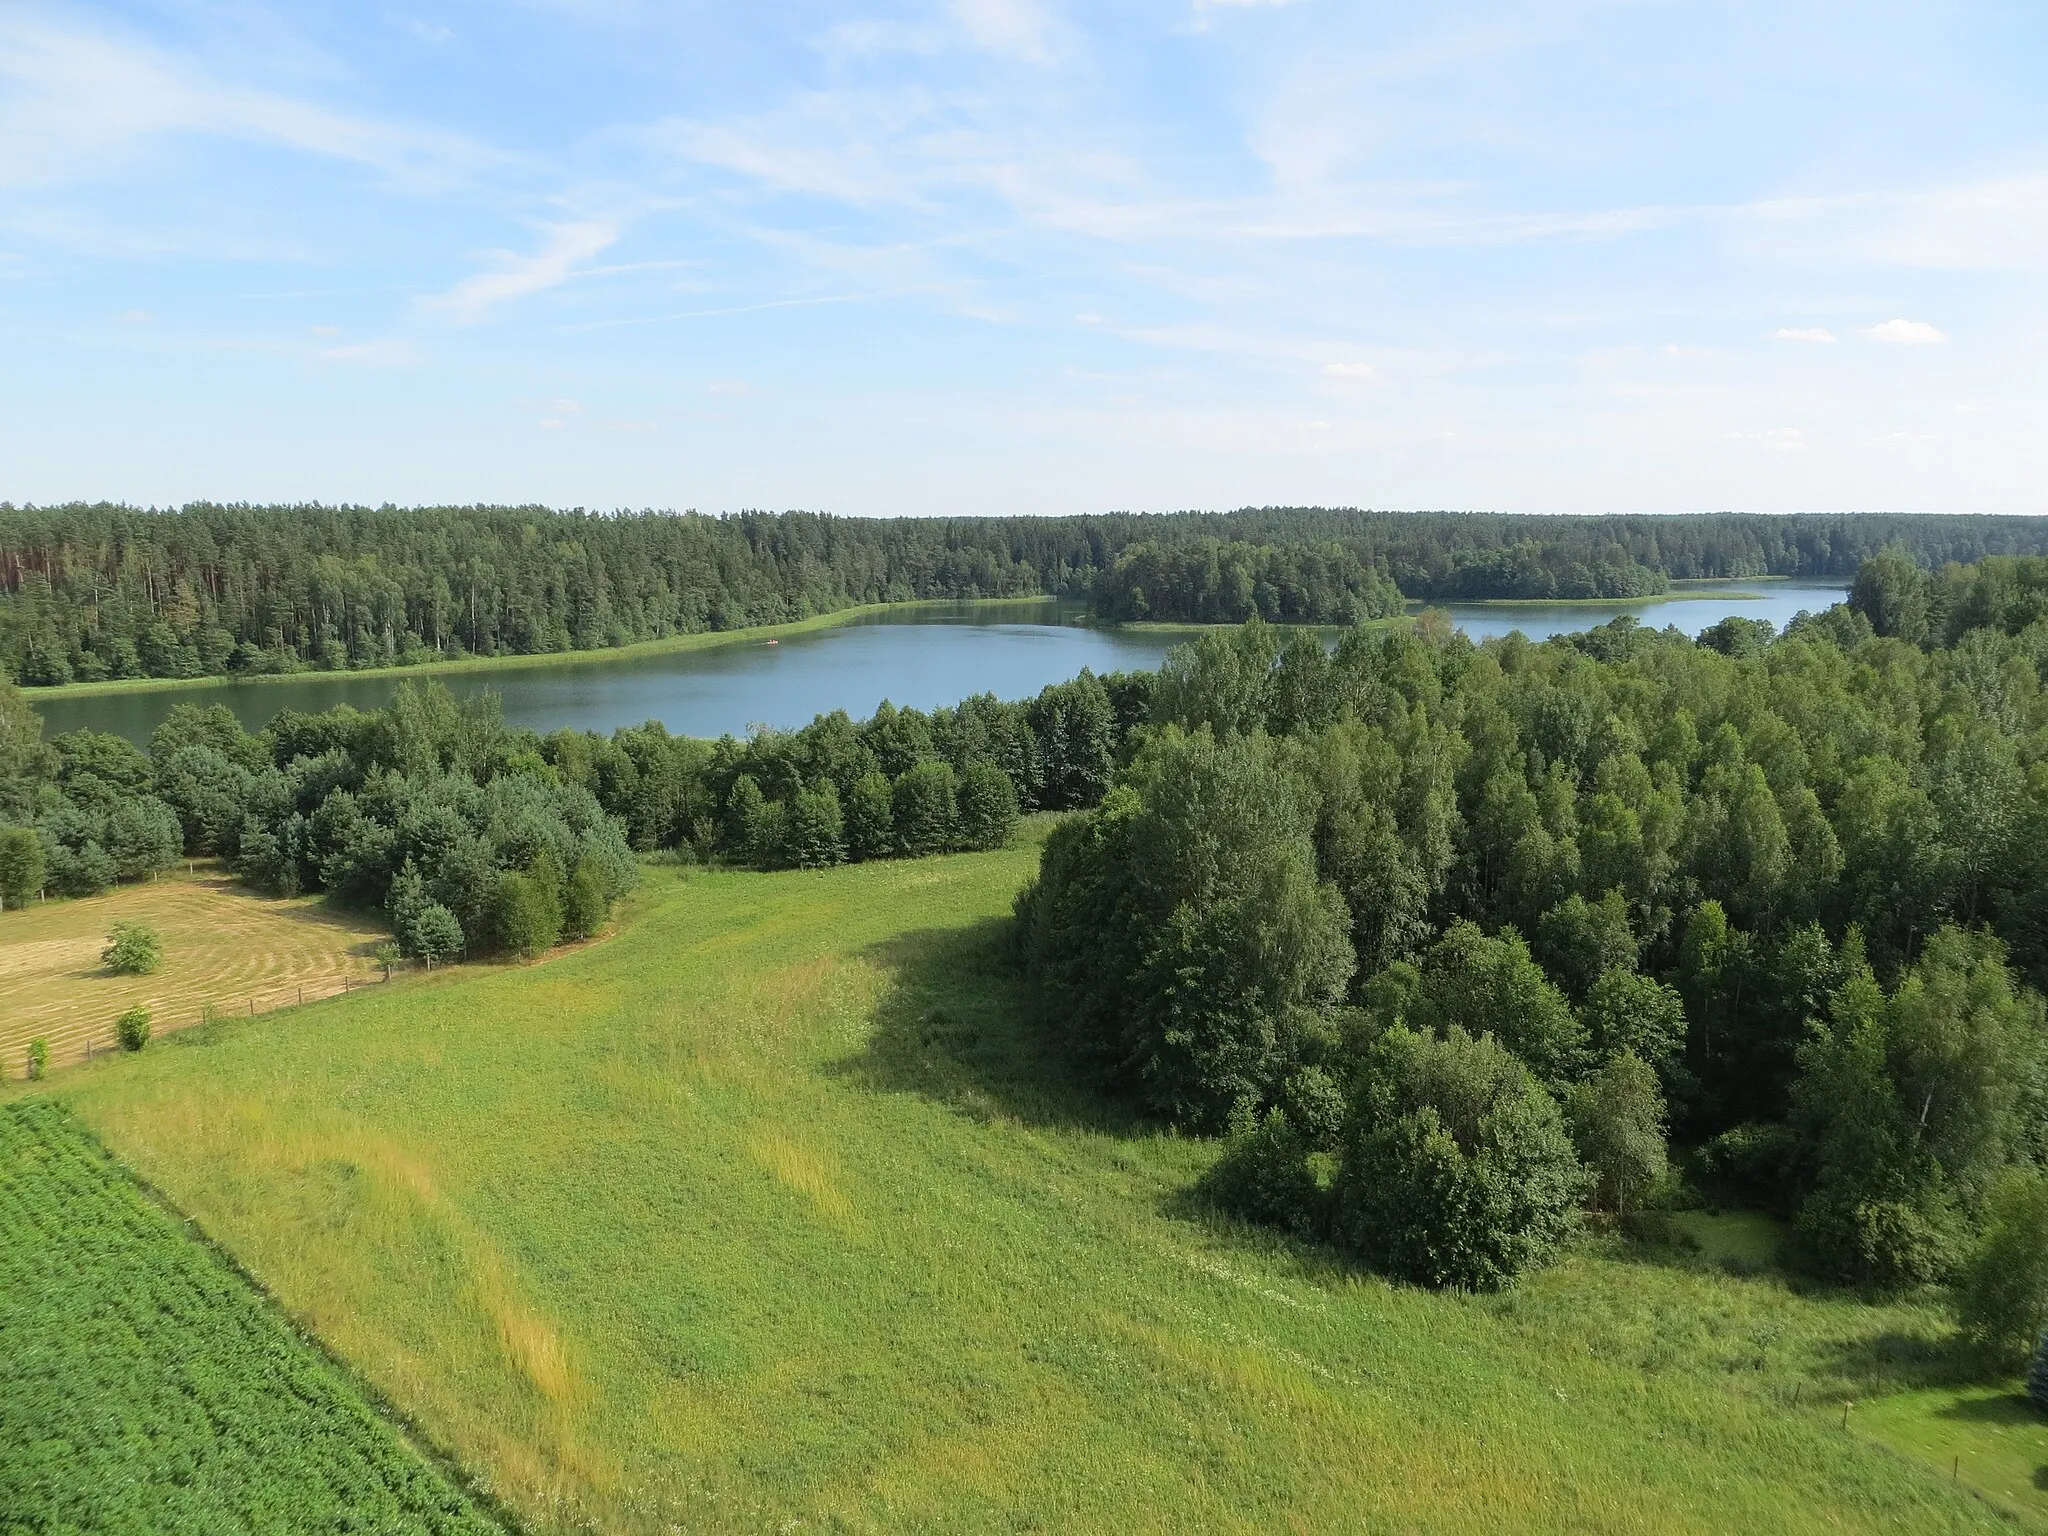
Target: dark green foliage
(1276, 1168)
(1484, 985)
(132, 949)
(526, 913)
(1617, 1124)
(132, 1029)
(1913, 1104)
(987, 803)
(1267, 1174)
(1580, 941)
(21, 733)
(1892, 592)
(925, 810)
(815, 833)
(147, 1387)
(2002, 1293)
(22, 866)
(584, 903)
(277, 589)
(1182, 935)
(1455, 1167)
(2037, 1375)
(1636, 1014)
(1738, 636)
(1206, 581)
(436, 934)
(871, 818)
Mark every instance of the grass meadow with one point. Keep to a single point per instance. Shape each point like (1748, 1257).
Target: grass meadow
(772, 1212)
(224, 948)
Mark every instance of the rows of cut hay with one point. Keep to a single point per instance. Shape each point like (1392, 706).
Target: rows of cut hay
(145, 1387)
(225, 950)
(774, 1212)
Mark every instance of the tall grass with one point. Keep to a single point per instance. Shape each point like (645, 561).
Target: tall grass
(774, 1212)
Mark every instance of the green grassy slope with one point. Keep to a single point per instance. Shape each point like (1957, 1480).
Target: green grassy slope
(771, 1213)
(145, 1387)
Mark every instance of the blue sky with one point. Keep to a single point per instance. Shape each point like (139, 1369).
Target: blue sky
(1018, 256)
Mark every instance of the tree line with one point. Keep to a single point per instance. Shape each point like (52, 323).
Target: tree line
(1458, 941)
(90, 592)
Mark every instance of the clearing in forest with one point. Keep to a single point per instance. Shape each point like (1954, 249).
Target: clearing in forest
(225, 948)
(776, 1212)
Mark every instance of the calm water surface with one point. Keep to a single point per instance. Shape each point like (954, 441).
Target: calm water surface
(928, 657)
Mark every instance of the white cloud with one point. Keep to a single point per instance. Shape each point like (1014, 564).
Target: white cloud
(1906, 333)
(1016, 28)
(1813, 333)
(517, 276)
(75, 103)
(1355, 373)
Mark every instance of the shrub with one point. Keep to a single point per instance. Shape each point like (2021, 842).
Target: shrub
(926, 816)
(1266, 1175)
(22, 865)
(526, 915)
(436, 934)
(1455, 1169)
(988, 806)
(133, 1029)
(871, 818)
(38, 1058)
(2001, 1300)
(1617, 1124)
(583, 902)
(1273, 1170)
(132, 949)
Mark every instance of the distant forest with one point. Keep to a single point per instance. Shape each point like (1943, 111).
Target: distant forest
(101, 591)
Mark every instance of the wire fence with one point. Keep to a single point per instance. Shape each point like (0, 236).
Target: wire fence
(104, 1040)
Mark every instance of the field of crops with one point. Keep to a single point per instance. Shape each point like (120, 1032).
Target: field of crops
(146, 1387)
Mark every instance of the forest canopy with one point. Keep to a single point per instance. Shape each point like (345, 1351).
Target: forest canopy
(90, 592)
(1455, 938)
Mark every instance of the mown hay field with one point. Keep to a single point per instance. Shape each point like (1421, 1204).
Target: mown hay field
(225, 949)
(146, 1387)
(773, 1212)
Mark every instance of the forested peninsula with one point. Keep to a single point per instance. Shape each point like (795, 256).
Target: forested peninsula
(94, 592)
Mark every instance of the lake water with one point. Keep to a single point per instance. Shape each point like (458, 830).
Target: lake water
(924, 657)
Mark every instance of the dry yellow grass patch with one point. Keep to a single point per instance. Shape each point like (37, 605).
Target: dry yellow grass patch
(225, 949)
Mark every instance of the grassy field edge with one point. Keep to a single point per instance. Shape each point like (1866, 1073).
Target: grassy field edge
(409, 1429)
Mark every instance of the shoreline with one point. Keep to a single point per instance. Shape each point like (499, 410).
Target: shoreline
(697, 640)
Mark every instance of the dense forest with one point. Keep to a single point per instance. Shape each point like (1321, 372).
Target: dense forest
(95, 592)
(1459, 940)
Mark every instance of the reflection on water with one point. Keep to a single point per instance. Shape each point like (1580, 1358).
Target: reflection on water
(924, 657)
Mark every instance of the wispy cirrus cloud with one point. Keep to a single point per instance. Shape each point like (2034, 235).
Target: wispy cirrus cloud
(78, 101)
(514, 275)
